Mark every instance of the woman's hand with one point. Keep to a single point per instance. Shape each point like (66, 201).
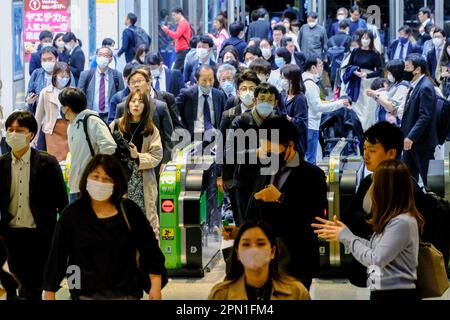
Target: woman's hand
(328, 230)
(155, 294)
(371, 93)
(133, 151)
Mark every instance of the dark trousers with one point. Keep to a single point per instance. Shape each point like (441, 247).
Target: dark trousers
(243, 195)
(179, 61)
(394, 295)
(28, 251)
(237, 216)
(417, 161)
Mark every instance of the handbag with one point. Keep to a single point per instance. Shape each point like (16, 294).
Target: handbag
(432, 278)
(144, 278)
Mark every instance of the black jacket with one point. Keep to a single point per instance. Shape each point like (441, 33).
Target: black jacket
(48, 194)
(259, 29)
(76, 62)
(169, 99)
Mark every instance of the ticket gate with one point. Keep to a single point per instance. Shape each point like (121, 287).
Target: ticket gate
(190, 219)
(341, 172)
(439, 174)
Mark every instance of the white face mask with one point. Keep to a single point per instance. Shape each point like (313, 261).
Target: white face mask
(99, 191)
(365, 42)
(391, 78)
(60, 44)
(267, 53)
(102, 62)
(62, 82)
(48, 66)
(437, 42)
(262, 77)
(68, 47)
(341, 17)
(17, 141)
(254, 258)
(312, 24)
(202, 53)
(142, 58)
(285, 84)
(47, 45)
(247, 97)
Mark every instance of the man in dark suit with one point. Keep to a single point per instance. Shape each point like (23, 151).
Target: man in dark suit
(77, 58)
(201, 106)
(259, 28)
(402, 47)
(426, 23)
(298, 58)
(128, 42)
(204, 47)
(101, 84)
(164, 79)
(120, 96)
(435, 54)
(46, 40)
(139, 79)
(289, 198)
(32, 193)
(419, 118)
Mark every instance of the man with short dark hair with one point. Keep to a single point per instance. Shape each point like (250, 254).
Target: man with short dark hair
(45, 41)
(402, 47)
(237, 34)
(204, 48)
(313, 37)
(419, 118)
(32, 193)
(424, 17)
(259, 28)
(278, 32)
(128, 42)
(434, 56)
(287, 204)
(164, 79)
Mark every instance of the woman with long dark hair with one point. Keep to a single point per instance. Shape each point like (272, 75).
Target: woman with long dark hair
(253, 273)
(391, 255)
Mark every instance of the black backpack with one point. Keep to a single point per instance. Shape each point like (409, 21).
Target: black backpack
(336, 53)
(122, 152)
(141, 38)
(443, 119)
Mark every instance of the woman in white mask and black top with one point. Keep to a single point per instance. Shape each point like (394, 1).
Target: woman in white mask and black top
(253, 274)
(100, 235)
(49, 116)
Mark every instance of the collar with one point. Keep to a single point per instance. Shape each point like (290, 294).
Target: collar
(415, 83)
(200, 93)
(257, 117)
(237, 289)
(295, 162)
(99, 72)
(25, 158)
(244, 108)
(308, 75)
(261, 19)
(426, 22)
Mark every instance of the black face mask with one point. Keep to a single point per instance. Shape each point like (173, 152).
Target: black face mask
(408, 75)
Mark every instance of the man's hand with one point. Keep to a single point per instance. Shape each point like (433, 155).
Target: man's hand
(31, 98)
(408, 144)
(220, 184)
(269, 194)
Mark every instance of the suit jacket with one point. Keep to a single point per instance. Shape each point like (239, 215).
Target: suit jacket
(191, 68)
(187, 103)
(162, 121)
(259, 29)
(174, 81)
(393, 48)
(89, 88)
(35, 61)
(432, 63)
(48, 194)
(128, 44)
(300, 60)
(76, 62)
(169, 99)
(291, 218)
(419, 117)
(116, 99)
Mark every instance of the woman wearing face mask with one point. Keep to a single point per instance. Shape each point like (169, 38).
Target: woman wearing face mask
(221, 35)
(289, 33)
(283, 57)
(49, 116)
(136, 126)
(295, 103)
(58, 43)
(392, 104)
(230, 55)
(368, 64)
(141, 53)
(443, 70)
(254, 271)
(102, 234)
(77, 58)
(266, 47)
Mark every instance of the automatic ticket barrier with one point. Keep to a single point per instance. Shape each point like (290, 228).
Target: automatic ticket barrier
(190, 218)
(341, 172)
(439, 174)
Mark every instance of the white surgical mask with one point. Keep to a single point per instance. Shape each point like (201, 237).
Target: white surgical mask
(341, 17)
(62, 82)
(247, 97)
(227, 86)
(391, 78)
(365, 42)
(254, 258)
(205, 90)
(17, 141)
(265, 109)
(68, 47)
(46, 45)
(285, 85)
(437, 42)
(102, 62)
(267, 53)
(99, 191)
(60, 44)
(312, 24)
(262, 77)
(142, 58)
(48, 66)
(202, 53)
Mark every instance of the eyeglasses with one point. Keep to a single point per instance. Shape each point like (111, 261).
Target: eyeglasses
(137, 82)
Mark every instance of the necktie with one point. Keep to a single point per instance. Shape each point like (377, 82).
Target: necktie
(157, 87)
(101, 94)
(278, 175)
(408, 96)
(207, 122)
(402, 49)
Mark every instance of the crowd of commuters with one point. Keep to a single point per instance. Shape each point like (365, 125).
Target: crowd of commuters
(270, 76)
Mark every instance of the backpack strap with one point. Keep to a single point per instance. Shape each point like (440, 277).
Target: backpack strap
(86, 133)
(116, 80)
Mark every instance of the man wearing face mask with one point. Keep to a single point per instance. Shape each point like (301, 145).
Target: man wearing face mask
(32, 193)
(237, 33)
(313, 37)
(204, 47)
(164, 79)
(402, 47)
(45, 41)
(435, 54)
(286, 204)
(246, 83)
(419, 119)
(341, 15)
(101, 83)
(226, 74)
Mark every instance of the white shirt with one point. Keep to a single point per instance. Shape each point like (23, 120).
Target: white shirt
(415, 83)
(162, 81)
(48, 79)
(96, 106)
(275, 79)
(399, 48)
(19, 206)
(199, 126)
(426, 22)
(244, 108)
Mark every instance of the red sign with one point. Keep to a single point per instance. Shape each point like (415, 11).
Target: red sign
(167, 206)
(40, 15)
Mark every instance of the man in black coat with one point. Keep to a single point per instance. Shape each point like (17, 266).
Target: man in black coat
(259, 28)
(419, 119)
(289, 199)
(32, 193)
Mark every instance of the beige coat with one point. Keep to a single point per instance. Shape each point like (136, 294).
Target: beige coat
(287, 288)
(47, 110)
(149, 158)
